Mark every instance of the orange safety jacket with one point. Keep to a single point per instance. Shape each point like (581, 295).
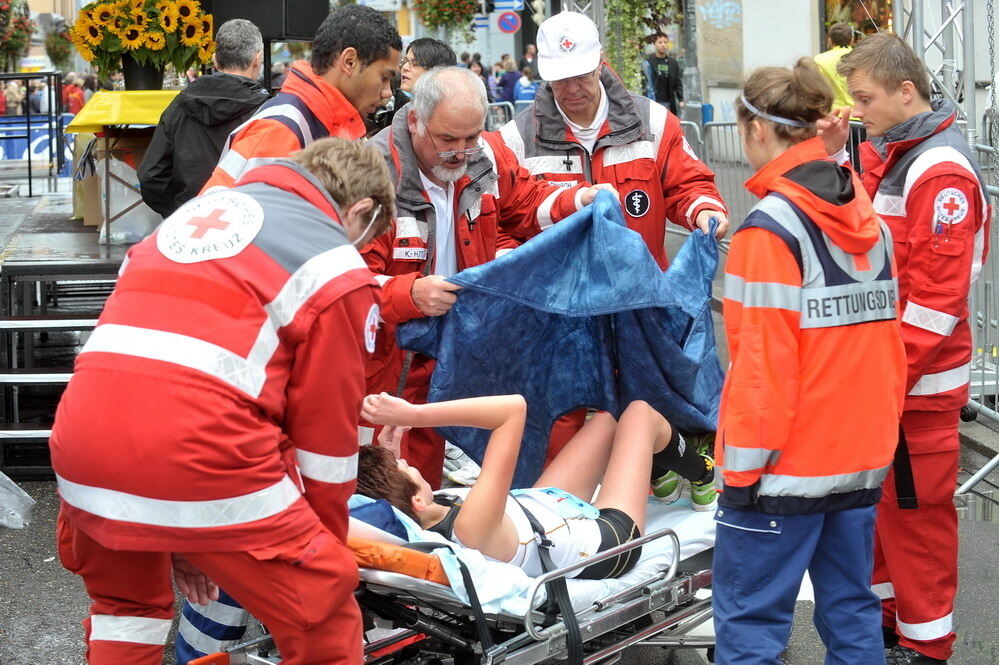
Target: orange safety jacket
(811, 403)
(306, 110)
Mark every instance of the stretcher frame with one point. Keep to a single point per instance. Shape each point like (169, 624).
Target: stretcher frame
(437, 627)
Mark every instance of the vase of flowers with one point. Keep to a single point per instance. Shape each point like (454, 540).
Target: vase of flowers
(140, 37)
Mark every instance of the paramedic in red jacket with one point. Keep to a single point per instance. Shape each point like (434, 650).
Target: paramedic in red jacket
(926, 185)
(355, 55)
(584, 125)
(810, 300)
(212, 414)
(461, 200)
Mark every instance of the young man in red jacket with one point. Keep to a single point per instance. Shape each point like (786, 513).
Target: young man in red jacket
(926, 185)
(355, 55)
(462, 199)
(225, 458)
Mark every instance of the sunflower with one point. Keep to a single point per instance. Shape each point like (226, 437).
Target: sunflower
(92, 34)
(206, 50)
(136, 6)
(119, 24)
(85, 52)
(132, 38)
(155, 41)
(206, 25)
(140, 19)
(168, 21)
(102, 14)
(187, 9)
(190, 34)
(165, 7)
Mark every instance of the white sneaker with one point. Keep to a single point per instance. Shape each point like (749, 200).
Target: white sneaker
(459, 468)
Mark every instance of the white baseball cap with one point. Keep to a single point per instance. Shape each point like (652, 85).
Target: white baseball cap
(568, 45)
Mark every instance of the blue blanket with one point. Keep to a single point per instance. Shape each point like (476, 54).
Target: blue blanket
(580, 315)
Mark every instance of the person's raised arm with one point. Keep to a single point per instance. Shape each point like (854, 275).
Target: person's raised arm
(481, 516)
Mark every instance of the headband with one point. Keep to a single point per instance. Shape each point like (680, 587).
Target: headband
(774, 118)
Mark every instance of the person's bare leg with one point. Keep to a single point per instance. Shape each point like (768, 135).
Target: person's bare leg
(581, 464)
(641, 433)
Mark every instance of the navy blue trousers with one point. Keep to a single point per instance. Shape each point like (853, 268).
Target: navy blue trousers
(759, 563)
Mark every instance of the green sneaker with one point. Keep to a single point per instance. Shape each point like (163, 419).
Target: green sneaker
(667, 488)
(703, 496)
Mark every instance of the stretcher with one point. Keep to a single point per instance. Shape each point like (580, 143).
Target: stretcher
(414, 615)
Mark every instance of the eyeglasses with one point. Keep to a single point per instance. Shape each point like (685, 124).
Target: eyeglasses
(451, 154)
(408, 61)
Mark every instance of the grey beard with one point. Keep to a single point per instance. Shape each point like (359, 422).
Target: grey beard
(449, 175)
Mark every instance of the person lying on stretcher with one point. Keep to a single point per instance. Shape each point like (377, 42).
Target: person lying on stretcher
(621, 457)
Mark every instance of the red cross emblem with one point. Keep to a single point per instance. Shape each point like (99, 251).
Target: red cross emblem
(373, 328)
(567, 44)
(205, 224)
(951, 206)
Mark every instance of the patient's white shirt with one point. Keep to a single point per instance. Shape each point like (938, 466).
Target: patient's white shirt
(573, 538)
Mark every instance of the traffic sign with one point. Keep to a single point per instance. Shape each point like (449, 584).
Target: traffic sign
(509, 5)
(508, 22)
(480, 22)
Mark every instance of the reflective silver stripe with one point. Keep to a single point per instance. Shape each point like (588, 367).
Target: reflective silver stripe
(365, 435)
(410, 227)
(820, 486)
(930, 158)
(245, 374)
(702, 200)
(886, 204)
(181, 350)
(932, 320)
(227, 615)
(762, 294)
(327, 468)
(883, 590)
(941, 382)
(137, 630)
(545, 209)
(236, 165)
(978, 258)
(749, 459)
(124, 507)
(553, 164)
(623, 154)
(859, 302)
(513, 140)
(202, 642)
(383, 279)
(928, 630)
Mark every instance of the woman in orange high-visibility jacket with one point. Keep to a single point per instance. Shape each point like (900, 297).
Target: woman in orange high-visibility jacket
(810, 409)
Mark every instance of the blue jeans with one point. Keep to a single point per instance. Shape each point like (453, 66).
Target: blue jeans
(759, 563)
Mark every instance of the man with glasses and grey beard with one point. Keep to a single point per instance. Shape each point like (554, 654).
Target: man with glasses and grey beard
(461, 200)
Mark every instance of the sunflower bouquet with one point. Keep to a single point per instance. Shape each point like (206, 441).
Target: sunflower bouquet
(151, 32)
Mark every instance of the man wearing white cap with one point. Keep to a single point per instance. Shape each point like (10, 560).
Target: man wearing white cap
(584, 126)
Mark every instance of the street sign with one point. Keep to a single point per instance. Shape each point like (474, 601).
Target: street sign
(508, 22)
(509, 5)
(480, 22)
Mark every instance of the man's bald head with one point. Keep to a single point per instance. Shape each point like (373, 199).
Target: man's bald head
(457, 87)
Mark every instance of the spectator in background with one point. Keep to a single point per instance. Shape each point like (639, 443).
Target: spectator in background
(279, 70)
(526, 88)
(663, 78)
(530, 59)
(421, 55)
(72, 93)
(840, 41)
(508, 82)
(194, 127)
(89, 87)
(13, 98)
(476, 68)
(492, 81)
(39, 98)
(466, 59)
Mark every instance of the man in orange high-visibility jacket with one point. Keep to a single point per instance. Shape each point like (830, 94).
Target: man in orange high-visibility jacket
(927, 187)
(355, 55)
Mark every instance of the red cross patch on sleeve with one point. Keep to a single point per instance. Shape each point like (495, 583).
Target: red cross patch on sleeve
(950, 206)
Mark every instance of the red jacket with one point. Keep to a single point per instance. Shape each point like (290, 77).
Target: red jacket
(810, 408)
(200, 409)
(640, 150)
(307, 109)
(497, 206)
(925, 184)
